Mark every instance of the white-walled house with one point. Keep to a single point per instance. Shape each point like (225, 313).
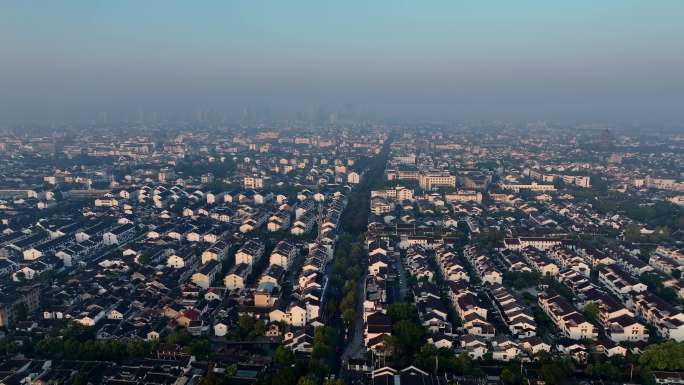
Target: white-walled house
(250, 252)
(236, 277)
(283, 254)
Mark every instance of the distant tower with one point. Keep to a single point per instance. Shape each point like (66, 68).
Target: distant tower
(607, 137)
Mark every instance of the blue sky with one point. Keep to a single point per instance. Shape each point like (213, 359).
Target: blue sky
(566, 60)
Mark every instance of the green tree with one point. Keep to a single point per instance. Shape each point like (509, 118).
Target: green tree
(591, 310)
(425, 359)
(200, 348)
(397, 351)
(668, 355)
(258, 330)
(319, 368)
(210, 378)
(145, 259)
(400, 311)
(510, 375)
(285, 376)
(245, 327)
(231, 370)
(20, 311)
(306, 380)
(555, 372)
(632, 233)
(349, 316)
(356, 250)
(138, 348)
(331, 307)
(21, 277)
(409, 333)
(284, 356)
(178, 337)
(462, 363)
(606, 370)
(488, 238)
(349, 301)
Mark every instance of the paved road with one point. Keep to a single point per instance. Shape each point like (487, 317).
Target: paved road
(355, 348)
(403, 282)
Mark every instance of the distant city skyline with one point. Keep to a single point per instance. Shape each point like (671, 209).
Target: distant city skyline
(616, 61)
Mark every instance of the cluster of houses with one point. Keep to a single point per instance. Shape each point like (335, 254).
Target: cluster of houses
(619, 323)
(381, 273)
(48, 245)
(479, 307)
(483, 265)
(165, 248)
(127, 264)
(290, 290)
(621, 293)
(569, 321)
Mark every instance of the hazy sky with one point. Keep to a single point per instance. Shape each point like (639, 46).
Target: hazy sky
(512, 59)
